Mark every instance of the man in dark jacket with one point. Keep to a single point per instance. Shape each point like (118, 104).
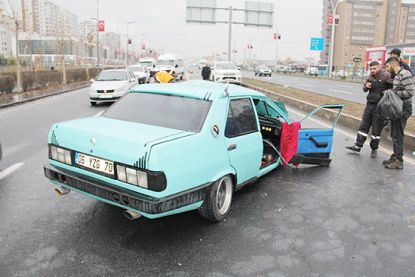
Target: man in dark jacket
(378, 81)
(206, 72)
(403, 86)
(397, 54)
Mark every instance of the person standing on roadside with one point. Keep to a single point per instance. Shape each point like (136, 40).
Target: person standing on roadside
(397, 54)
(379, 80)
(206, 72)
(403, 86)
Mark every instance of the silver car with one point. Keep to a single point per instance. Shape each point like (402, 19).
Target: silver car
(141, 73)
(111, 85)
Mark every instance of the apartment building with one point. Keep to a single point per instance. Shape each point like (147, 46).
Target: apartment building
(365, 23)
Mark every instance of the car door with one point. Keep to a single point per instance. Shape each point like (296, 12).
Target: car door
(132, 80)
(315, 144)
(243, 139)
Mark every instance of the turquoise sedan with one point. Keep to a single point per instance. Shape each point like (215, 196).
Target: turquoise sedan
(164, 149)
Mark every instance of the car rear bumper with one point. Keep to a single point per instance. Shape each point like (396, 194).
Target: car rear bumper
(104, 100)
(123, 197)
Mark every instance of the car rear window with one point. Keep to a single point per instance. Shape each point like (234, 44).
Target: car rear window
(175, 112)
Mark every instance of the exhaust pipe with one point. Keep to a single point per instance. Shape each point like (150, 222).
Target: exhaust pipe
(61, 191)
(131, 215)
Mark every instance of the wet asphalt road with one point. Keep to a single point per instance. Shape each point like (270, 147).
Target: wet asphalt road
(352, 219)
(342, 90)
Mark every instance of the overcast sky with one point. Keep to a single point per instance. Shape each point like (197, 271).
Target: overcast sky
(163, 21)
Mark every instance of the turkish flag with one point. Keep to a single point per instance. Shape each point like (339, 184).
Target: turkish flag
(101, 26)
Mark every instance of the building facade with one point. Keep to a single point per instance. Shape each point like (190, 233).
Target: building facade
(365, 23)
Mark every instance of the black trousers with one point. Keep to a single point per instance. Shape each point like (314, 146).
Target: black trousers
(370, 119)
(397, 133)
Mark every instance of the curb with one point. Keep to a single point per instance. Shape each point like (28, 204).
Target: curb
(43, 96)
(345, 120)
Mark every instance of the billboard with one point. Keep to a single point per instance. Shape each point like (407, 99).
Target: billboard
(259, 14)
(201, 11)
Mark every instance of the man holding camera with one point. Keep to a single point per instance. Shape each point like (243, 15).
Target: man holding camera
(378, 81)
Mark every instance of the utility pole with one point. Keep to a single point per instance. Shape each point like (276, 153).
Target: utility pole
(333, 32)
(128, 38)
(257, 14)
(230, 35)
(97, 35)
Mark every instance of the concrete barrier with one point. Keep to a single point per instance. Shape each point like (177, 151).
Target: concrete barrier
(345, 120)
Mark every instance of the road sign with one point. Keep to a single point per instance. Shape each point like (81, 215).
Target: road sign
(101, 25)
(317, 44)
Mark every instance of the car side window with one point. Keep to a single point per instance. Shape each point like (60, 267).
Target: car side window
(261, 108)
(271, 111)
(241, 118)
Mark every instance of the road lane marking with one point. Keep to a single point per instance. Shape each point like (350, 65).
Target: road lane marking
(306, 85)
(10, 170)
(346, 86)
(341, 91)
(349, 135)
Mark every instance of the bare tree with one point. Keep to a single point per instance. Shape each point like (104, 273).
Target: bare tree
(13, 23)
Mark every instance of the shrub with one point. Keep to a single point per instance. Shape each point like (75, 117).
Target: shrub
(7, 83)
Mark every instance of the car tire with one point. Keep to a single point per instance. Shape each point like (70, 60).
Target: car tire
(93, 103)
(218, 200)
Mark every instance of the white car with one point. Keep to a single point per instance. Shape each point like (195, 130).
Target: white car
(111, 85)
(141, 73)
(226, 72)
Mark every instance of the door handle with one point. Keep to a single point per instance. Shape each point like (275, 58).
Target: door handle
(319, 144)
(232, 147)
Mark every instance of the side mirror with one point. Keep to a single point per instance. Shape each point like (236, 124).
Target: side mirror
(239, 68)
(176, 66)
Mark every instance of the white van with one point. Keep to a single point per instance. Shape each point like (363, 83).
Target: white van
(171, 63)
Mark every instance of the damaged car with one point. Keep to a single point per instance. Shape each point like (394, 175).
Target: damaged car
(164, 149)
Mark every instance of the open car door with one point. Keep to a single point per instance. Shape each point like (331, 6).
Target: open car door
(315, 144)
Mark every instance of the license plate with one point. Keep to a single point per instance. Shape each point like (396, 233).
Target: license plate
(105, 96)
(94, 163)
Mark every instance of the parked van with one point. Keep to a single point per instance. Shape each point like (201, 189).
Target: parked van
(171, 63)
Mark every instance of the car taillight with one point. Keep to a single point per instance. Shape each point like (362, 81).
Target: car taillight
(155, 181)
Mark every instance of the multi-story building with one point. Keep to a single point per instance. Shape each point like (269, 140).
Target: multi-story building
(45, 18)
(88, 30)
(5, 41)
(326, 30)
(365, 23)
(406, 30)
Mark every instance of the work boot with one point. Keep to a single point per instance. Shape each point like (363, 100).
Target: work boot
(354, 148)
(385, 162)
(374, 154)
(395, 164)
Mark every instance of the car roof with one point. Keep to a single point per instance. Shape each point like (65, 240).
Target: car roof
(198, 89)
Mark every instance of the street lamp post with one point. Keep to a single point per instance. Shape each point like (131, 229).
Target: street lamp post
(97, 35)
(128, 38)
(333, 33)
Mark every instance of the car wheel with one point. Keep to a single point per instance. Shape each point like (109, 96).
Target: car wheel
(93, 103)
(218, 200)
